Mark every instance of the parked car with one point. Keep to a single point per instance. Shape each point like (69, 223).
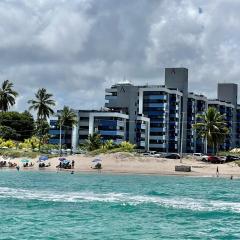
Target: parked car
(199, 156)
(146, 154)
(231, 158)
(213, 159)
(173, 156)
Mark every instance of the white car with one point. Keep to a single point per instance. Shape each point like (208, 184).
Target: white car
(200, 156)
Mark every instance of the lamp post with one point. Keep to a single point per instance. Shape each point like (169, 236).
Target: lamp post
(181, 148)
(60, 137)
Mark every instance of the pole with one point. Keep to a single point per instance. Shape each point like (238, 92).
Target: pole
(181, 148)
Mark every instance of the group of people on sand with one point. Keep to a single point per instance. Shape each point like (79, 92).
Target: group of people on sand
(66, 165)
(7, 164)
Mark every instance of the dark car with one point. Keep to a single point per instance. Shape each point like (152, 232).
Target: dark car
(173, 156)
(231, 158)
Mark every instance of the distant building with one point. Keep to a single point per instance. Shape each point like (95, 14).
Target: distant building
(110, 125)
(156, 117)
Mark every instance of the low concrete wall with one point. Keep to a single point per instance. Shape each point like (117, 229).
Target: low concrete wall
(183, 168)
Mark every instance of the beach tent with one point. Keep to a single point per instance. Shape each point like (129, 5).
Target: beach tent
(43, 158)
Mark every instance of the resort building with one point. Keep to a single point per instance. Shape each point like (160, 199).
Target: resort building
(156, 117)
(110, 125)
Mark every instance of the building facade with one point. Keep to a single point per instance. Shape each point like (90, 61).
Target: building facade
(156, 117)
(110, 125)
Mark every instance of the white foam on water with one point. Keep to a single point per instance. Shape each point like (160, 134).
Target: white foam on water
(122, 198)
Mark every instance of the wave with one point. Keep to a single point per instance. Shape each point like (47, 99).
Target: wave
(121, 198)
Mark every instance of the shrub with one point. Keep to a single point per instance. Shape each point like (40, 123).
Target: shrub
(127, 146)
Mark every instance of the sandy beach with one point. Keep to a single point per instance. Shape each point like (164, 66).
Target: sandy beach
(127, 163)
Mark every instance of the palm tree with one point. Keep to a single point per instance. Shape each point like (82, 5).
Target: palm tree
(42, 104)
(212, 127)
(7, 96)
(93, 142)
(66, 118)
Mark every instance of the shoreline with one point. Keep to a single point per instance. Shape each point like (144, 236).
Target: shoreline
(115, 172)
(127, 164)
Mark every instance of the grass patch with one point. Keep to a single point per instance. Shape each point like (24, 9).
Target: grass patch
(225, 153)
(23, 154)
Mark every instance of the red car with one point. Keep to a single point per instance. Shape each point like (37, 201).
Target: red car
(215, 159)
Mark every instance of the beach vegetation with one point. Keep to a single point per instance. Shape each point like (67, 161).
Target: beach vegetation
(108, 145)
(7, 95)
(93, 142)
(122, 147)
(30, 143)
(42, 104)
(212, 126)
(7, 143)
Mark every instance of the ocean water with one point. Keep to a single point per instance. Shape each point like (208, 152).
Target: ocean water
(42, 205)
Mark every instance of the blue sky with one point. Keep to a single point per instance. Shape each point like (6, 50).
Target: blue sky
(76, 48)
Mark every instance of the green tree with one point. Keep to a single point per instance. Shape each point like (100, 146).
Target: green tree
(93, 142)
(66, 119)
(7, 96)
(8, 133)
(212, 126)
(42, 104)
(17, 126)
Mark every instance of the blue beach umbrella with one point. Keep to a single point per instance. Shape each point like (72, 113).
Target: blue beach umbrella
(43, 158)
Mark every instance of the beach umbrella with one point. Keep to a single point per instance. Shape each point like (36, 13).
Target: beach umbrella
(43, 158)
(96, 160)
(62, 159)
(25, 160)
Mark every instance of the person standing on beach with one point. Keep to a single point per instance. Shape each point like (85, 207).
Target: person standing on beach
(217, 172)
(73, 162)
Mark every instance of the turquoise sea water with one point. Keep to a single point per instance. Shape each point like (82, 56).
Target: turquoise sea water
(41, 205)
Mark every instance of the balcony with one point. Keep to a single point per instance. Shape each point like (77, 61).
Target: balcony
(174, 115)
(111, 133)
(158, 137)
(110, 97)
(158, 129)
(157, 97)
(163, 145)
(157, 105)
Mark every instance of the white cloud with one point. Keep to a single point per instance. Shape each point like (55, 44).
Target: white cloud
(77, 48)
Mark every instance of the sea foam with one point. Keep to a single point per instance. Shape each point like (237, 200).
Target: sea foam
(121, 198)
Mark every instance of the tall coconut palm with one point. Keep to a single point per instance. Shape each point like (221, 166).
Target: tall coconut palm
(212, 127)
(66, 119)
(7, 95)
(42, 105)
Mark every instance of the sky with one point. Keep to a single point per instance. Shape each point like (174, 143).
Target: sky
(77, 48)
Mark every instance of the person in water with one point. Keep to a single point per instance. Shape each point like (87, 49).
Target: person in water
(18, 168)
